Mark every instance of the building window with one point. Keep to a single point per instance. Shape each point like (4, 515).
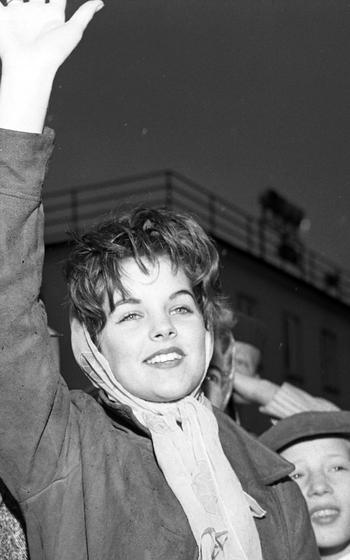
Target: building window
(292, 347)
(246, 304)
(329, 362)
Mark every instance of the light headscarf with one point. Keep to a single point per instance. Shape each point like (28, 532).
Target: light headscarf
(188, 450)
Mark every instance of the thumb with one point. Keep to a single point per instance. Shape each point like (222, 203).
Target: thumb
(84, 14)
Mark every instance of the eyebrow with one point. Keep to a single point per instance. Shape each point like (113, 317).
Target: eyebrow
(125, 301)
(181, 293)
(135, 301)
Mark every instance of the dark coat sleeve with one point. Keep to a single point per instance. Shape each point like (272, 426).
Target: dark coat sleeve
(34, 401)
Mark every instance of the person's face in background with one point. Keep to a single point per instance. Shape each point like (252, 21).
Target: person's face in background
(218, 382)
(322, 471)
(246, 362)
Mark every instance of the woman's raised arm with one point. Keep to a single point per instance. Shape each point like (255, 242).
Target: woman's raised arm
(35, 40)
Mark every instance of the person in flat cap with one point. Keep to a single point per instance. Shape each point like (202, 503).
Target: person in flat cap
(318, 444)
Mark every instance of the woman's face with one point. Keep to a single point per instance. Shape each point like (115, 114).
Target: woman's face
(155, 340)
(322, 470)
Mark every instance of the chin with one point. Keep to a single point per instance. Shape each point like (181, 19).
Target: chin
(173, 394)
(173, 397)
(325, 542)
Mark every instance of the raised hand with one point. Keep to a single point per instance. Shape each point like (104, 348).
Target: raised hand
(36, 31)
(35, 40)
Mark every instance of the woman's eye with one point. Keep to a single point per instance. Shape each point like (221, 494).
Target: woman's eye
(129, 317)
(181, 309)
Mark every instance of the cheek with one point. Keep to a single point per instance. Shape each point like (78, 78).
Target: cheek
(343, 492)
(197, 338)
(114, 348)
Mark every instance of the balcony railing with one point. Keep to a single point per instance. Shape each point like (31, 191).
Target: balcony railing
(77, 208)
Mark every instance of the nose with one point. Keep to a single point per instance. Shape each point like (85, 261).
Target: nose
(162, 328)
(319, 485)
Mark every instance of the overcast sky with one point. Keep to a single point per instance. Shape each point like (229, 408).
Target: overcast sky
(237, 95)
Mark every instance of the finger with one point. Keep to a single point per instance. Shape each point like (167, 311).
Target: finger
(85, 13)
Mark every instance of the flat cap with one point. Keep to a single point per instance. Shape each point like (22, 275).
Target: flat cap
(306, 425)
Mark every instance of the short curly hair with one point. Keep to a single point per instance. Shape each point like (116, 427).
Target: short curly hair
(94, 272)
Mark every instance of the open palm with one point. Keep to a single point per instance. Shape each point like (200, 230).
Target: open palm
(36, 32)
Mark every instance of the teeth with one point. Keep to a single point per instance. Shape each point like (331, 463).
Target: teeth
(324, 513)
(160, 358)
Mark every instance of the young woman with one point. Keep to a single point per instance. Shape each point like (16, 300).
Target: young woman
(148, 472)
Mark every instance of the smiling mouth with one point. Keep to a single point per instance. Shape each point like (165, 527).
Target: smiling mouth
(172, 358)
(325, 516)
